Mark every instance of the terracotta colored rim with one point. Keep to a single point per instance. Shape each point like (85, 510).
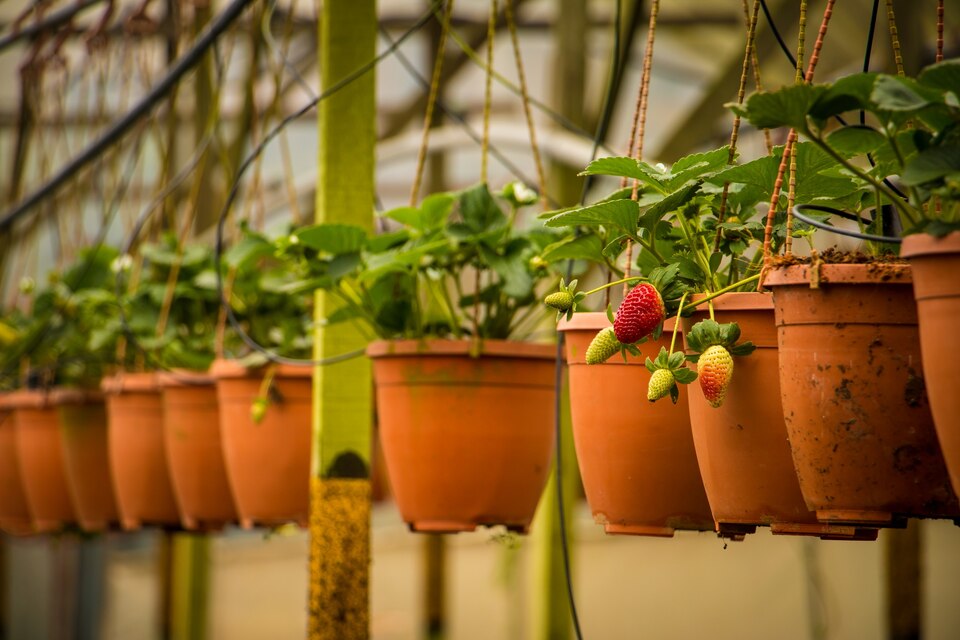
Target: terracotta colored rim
(184, 378)
(874, 273)
(739, 301)
(597, 320)
(923, 244)
(131, 382)
(494, 348)
(233, 369)
(63, 395)
(26, 399)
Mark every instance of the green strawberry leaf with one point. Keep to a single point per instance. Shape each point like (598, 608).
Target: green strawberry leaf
(683, 375)
(743, 349)
(651, 367)
(674, 394)
(675, 360)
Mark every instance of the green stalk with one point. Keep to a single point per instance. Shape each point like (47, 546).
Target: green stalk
(720, 292)
(673, 338)
(612, 284)
(907, 210)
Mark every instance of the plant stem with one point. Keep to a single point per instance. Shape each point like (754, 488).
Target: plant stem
(614, 283)
(907, 210)
(676, 323)
(720, 292)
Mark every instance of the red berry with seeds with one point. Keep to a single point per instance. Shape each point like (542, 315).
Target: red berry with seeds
(640, 313)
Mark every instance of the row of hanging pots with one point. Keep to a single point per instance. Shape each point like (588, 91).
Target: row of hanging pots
(826, 430)
(172, 449)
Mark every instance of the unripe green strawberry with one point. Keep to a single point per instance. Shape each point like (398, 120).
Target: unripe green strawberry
(641, 312)
(603, 345)
(559, 300)
(660, 384)
(715, 369)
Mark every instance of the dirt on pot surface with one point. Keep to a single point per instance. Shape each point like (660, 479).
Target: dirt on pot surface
(835, 256)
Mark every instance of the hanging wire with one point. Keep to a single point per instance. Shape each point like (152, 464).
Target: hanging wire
(488, 89)
(939, 56)
(272, 356)
(894, 38)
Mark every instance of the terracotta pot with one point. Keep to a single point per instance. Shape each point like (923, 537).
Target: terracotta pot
(83, 428)
(267, 463)
(40, 449)
(936, 286)
(742, 446)
(191, 426)
(137, 459)
(637, 458)
(851, 383)
(467, 440)
(14, 514)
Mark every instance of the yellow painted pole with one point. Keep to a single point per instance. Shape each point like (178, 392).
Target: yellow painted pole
(339, 479)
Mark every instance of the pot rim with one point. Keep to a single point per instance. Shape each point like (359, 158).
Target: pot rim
(894, 273)
(738, 301)
(463, 347)
(130, 382)
(180, 378)
(596, 320)
(223, 368)
(26, 399)
(73, 395)
(916, 245)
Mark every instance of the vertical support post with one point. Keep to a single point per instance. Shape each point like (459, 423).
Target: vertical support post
(904, 594)
(339, 479)
(4, 615)
(189, 583)
(569, 77)
(551, 609)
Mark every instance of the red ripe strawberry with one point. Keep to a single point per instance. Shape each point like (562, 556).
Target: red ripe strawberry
(715, 369)
(639, 314)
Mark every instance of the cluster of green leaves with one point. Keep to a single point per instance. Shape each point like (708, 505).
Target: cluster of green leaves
(708, 333)
(455, 266)
(912, 132)
(54, 338)
(683, 243)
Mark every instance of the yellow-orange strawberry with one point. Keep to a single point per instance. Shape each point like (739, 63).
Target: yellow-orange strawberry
(715, 370)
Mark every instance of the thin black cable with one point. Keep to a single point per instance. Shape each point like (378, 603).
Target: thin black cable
(120, 127)
(235, 187)
(842, 232)
(776, 34)
(603, 124)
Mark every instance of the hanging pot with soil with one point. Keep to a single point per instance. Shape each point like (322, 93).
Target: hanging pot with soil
(935, 263)
(83, 429)
(39, 446)
(267, 459)
(141, 475)
(191, 430)
(637, 458)
(742, 446)
(853, 395)
(466, 428)
(14, 514)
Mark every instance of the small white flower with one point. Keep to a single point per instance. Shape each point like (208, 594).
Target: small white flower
(121, 263)
(524, 194)
(294, 239)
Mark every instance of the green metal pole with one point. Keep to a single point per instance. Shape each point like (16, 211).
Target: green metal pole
(339, 482)
(189, 585)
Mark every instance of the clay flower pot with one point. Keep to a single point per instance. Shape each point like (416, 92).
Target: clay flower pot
(267, 462)
(936, 286)
(141, 475)
(852, 387)
(742, 446)
(191, 429)
(637, 458)
(467, 438)
(14, 514)
(39, 446)
(83, 429)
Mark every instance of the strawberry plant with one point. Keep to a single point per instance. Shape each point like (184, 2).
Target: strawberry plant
(910, 134)
(457, 265)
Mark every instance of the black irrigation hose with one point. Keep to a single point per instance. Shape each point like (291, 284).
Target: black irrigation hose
(797, 209)
(120, 127)
(234, 190)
